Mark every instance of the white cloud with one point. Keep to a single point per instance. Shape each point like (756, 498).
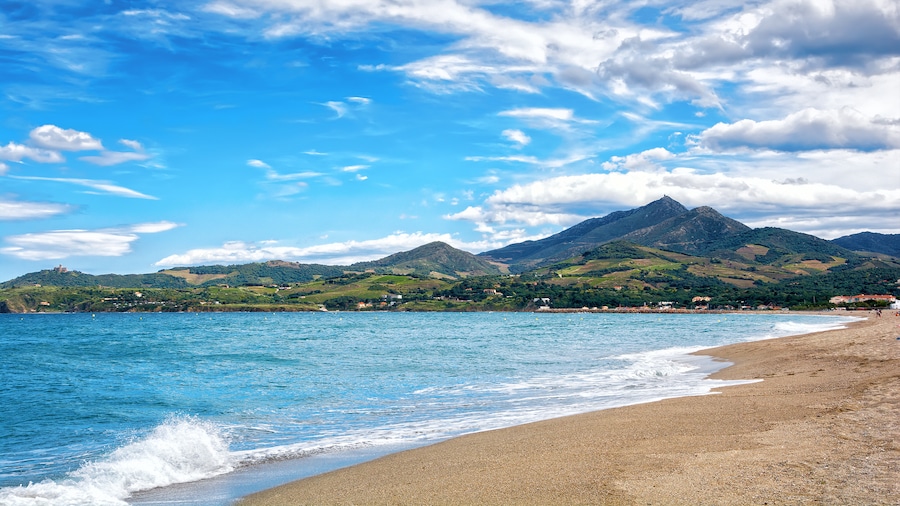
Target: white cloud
(517, 136)
(104, 187)
(19, 210)
(17, 152)
(58, 244)
(543, 113)
(531, 160)
(131, 144)
(826, 227)
(56, 138)
(645, 160)
(354, 168)
(338, 253)
(259, 164)
(234, 11)
(520, 214)
(107, 158)
(360, 100)
(360, 177)
(152, 227)
(809, 129)
(690, 187)
(274, 176)
(339, 108)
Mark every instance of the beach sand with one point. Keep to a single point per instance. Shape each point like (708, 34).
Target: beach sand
(822, 427)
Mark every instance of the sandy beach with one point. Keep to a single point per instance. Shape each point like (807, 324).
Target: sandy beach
(822, 427)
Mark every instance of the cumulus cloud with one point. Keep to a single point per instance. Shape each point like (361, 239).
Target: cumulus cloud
(336, 253)
(691, 187)
(56, 138)
(840, 32)
(59, 244)
(17, 152)
(645, 160)
(638, 67)
(48, 141)
(763, 187)
(20, 210)
(809, 129)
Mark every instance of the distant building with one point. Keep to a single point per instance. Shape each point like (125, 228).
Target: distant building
(850, 299)
(60, 269)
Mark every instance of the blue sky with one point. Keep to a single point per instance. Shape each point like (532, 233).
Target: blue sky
(141, 135)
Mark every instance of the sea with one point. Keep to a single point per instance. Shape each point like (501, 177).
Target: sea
(202, 409)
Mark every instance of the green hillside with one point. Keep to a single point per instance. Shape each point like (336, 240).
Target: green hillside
(659, 255)
(435, 259)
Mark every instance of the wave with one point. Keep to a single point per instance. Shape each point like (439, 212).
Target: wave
(796, 328)
(182, 449)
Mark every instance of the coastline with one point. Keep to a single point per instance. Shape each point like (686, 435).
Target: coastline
(819, 428)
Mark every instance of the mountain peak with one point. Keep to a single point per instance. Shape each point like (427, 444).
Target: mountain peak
(433, 258)
(586, 235)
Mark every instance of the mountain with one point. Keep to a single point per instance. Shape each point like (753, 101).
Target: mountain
(887, 244)
(688, 232)
(436, 259)
(585, 235)
(62, 277)
(776, 246)
(267, 273)
(273, 272)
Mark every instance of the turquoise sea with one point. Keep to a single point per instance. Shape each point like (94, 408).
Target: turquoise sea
(205, 408)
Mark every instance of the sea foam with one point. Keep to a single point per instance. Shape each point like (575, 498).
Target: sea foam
(182, 449)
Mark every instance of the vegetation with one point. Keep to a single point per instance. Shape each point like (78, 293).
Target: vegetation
(657, 256)
(650, 282)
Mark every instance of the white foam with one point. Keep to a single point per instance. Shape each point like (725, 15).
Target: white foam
(181, 450)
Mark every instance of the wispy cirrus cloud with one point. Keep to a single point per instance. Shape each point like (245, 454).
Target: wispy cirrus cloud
(12, 209)
(59, 244)
(274, 176)
(517, 136)
(107, 158)
(552, 163)
(103, 187)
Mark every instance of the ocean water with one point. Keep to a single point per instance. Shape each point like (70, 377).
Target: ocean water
(99, 409)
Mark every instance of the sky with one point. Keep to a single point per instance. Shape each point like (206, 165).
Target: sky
(141, 135)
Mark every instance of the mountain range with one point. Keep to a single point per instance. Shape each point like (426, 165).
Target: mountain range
(663, 225)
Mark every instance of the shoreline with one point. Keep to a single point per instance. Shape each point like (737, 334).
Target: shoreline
(819, 428)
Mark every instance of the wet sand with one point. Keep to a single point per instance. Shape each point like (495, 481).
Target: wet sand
(822, 427)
